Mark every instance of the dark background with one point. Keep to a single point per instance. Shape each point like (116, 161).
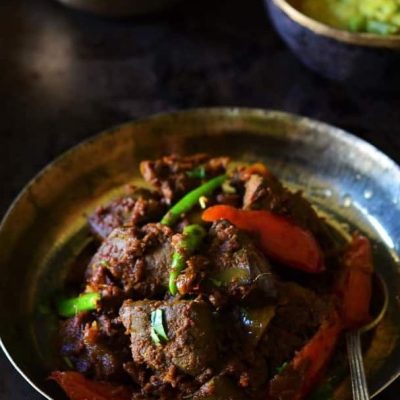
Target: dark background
(66, 75)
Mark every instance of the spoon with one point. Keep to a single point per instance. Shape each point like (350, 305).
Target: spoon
(353, 341)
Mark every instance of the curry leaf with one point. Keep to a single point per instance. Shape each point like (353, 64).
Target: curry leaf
(158, 332)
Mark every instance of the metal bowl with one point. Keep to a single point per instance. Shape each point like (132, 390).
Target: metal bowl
(118, 8)
(361, 59)
(46, 226)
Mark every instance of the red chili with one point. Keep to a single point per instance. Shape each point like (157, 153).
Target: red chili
(355, 283)
(309, 364)
(353, 294)
(77, 387)
(279, 238)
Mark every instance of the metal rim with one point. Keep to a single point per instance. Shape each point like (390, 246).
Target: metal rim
(319, 28)
(22, 373)
(231, 112)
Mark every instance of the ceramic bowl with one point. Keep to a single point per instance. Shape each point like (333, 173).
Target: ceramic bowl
(361, 59)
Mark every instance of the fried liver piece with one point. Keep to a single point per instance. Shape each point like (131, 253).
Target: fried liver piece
(238, 267)
(95, 346)
(191, 344)
(172, 174)
(137, 208)
(305, 310)
(132, 261)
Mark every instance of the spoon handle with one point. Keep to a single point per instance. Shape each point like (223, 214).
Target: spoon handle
(358, 380)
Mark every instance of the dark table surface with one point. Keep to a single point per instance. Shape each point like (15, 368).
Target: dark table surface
(66, 75)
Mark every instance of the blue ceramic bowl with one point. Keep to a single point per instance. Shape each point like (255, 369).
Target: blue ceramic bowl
(362, 59)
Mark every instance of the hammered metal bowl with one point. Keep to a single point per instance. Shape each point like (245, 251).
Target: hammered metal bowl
(119, 8)
(46, 226)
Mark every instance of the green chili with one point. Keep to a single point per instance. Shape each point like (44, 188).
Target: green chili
(192, 237)
(190, 200)
(84, 302)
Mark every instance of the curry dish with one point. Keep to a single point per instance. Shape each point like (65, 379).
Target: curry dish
(212, 282)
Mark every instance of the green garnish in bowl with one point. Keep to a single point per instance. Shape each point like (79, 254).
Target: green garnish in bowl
(381, 17)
